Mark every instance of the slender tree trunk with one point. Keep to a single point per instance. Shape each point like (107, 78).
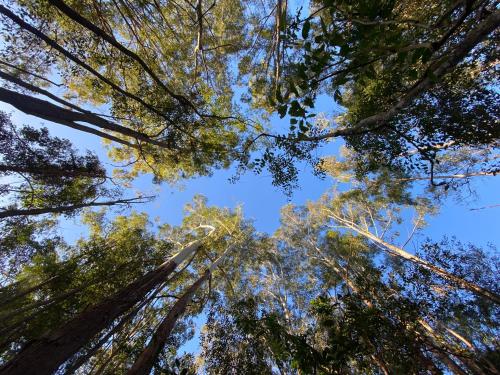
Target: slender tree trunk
(434, 339)
(50, 112)
(396, 251)
(70, 116)
(51, 171)
(449, 177)
(380, 364)
(26, 291)
(84, 358)
(63, 209)
(145, 361)
(57, 298)
(431, 335)
(46, 354)
(439, 271)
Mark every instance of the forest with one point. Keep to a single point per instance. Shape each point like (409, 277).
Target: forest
(369, 121)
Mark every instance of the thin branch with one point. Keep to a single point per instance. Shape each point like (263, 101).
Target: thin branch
(30, 73)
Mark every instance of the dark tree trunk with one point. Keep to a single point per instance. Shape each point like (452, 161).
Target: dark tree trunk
(51, 171)
(63, 209)
(144, 363)
(46, 354)
(80, 114)
(50, 112)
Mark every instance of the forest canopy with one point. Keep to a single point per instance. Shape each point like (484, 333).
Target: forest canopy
(406, 91)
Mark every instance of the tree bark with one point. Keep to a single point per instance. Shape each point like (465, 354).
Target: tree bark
(50, 112)
(43, 356)
(71, 369)
(81, 114)
(51, 171)
(144, 363)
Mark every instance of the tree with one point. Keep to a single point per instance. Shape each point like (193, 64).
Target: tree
(54, 348)
(42, 175)
(54, 178)
(62, 341)
(186, 126)
(349, 288)
(227, 349)
(146, 359)
(413, 81)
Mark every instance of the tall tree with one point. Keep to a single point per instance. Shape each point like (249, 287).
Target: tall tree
(45, 174)
(413, 81)
(186, 126)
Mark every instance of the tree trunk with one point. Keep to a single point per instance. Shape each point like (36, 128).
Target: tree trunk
(46, 354)
(434, 340)
(26, 291)
(63, 209)
(145, 361)
(71, 369)
(492, 296)
(51, 171)
(26, 26)
(396, 251)
(71, 116)
(449, 177)
(51, 112)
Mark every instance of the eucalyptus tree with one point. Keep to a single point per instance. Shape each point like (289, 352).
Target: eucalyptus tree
(44, 174)
(413, 81)
(466, 324)
(41, 175)
(228, 349)
(161, 70)
(106, 299)
(22, 239)
(364, 313)
(59, 285)
(234, 236)
(371, 212)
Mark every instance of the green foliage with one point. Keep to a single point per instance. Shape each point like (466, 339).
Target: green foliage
(50, 170)
(374, 59)
(185, 96)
